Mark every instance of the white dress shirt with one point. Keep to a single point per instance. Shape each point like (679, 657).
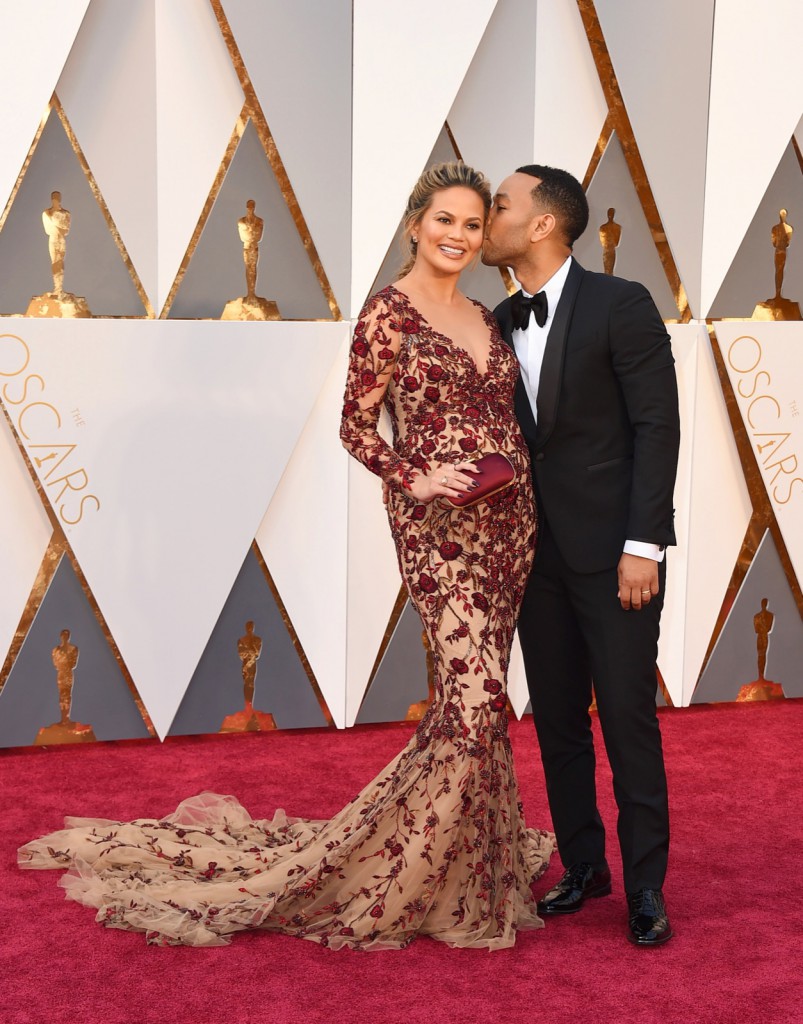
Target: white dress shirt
(530, 345)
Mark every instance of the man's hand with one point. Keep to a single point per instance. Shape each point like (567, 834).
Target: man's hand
(638, 581)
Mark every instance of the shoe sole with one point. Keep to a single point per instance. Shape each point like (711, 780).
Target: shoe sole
(551, 910)
(648, 944)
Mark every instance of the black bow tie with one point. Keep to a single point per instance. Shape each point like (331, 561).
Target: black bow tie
(522, 305)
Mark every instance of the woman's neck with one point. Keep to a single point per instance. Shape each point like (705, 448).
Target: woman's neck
(435, 288)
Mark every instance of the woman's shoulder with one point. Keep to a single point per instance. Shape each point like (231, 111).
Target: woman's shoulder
(387, 300)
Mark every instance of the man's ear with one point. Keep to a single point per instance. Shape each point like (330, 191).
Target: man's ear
(542, 227)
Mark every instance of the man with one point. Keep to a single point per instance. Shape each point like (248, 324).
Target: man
(597, 402)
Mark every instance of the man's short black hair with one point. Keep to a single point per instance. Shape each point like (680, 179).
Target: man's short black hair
(562, 194)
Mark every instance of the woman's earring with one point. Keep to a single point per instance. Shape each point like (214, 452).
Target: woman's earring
(414, 241)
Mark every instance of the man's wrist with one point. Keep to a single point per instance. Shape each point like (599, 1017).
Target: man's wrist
(645, 550)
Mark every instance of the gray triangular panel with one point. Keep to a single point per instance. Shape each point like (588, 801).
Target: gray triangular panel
(751, 277)
(734, 660)
(637, 258)
(401, 679)
(93, 265)
(482, 283)
(100, 696)
(216, 273)
(282, 687)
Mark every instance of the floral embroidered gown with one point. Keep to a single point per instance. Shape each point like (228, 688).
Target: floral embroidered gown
(436, 844)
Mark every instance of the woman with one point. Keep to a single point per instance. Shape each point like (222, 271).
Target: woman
(436, 844)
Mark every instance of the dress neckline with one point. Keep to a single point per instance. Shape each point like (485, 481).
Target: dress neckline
(438, 334)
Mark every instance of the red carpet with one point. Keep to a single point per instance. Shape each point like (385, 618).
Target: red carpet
(735, 774)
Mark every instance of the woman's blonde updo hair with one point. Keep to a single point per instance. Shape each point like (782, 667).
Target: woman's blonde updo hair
(454, 174)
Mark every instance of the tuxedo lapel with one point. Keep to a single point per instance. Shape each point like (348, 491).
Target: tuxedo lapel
(523, 409)
(554, 355)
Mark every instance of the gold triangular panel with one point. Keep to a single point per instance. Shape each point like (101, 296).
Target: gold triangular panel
(252, 676)
(66, 684)
(215, 271)
(760, 260)
(95, 265)
(634, 255)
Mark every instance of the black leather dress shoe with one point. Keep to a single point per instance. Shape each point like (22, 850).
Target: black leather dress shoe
(648, 924)
(580, 882)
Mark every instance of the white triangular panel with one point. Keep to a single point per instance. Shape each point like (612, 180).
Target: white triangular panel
(114, 58)
(373, 582)
(517, 691)
(198, 98)
(752, 118)
(36, 41)
(570, 107)
(670, 121)
(298, 56)
(686, 341)
(181, 433)
(765, 365)
(25, 529)
(304, 538)
(493, 116)
(407, 71)
(717, 515)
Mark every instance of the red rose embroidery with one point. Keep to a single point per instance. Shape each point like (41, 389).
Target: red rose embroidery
(360, 347)
(428, 447)
(480, 601)
(368, 378)
(435, 372)
(450, 549)
(427, 584)
(431, 393)
(468, 444)
(473, 412)
(438, 424)
(492, 686)
(458, 666)
(350, 407)
(418, 513)
(377, 911)
(411, 383)
(497, 703)
(346, 931)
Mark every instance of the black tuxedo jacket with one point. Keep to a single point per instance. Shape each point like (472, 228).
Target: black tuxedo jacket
(604, 452)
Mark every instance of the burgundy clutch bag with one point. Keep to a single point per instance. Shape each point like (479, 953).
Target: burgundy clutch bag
(493, 473)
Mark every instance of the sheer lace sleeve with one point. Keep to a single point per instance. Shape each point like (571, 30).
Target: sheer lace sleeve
(374, 352)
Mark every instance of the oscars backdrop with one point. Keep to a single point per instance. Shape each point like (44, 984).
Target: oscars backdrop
(198, 196)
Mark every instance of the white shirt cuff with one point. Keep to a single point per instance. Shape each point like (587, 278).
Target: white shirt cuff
(645, 550)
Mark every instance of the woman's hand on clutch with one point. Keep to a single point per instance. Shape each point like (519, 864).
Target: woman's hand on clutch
(445, 480)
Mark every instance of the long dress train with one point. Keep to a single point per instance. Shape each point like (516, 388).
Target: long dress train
(437, 843)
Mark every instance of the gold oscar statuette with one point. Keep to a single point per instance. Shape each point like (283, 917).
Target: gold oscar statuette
(251, 306)
(58, 303)
(761, 688)
(65, 659)
(249, 648)
(779, 308)
(610, 234)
